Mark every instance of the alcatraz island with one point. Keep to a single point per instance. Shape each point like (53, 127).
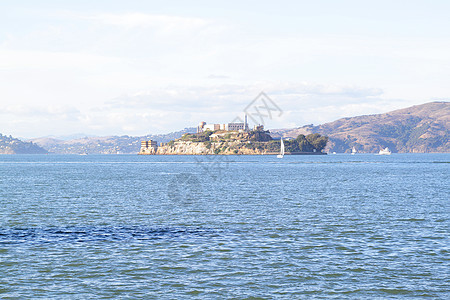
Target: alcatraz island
(235, 139)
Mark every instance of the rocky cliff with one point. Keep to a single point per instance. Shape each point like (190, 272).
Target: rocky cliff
(202, 148)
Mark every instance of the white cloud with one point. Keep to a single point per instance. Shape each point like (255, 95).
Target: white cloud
(37, 111)
(138, 72)
(42, 60)
(163, 110)
(165, 23)
(176, 107)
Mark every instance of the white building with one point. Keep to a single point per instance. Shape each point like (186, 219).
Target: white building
(234, 126)
(211, 127)
(202, 127)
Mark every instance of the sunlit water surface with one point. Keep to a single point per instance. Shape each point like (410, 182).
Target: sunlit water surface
(342, 226)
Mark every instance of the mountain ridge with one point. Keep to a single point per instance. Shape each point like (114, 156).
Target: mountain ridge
(416, 129)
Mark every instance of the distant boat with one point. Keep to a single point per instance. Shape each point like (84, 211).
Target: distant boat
(385, 151)
(281, 155)
(354, 150)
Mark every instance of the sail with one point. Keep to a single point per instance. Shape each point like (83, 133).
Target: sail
(385, 151)
(281, 155)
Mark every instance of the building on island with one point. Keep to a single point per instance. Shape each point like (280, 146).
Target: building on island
(211, 127)
(202, 127)
(258, 128)
(148, 147)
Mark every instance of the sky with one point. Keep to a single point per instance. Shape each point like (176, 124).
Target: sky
(146, 67)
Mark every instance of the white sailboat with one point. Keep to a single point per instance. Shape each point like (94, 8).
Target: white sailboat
(281, 155)
(354, 150)
(385, 151)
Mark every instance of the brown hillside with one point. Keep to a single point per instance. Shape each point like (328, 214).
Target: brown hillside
(420, 128)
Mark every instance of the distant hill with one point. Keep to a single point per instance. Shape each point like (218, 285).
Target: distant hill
(417, 129)
(105, 145)
(10, 145)
(67, 137)
(421, 128)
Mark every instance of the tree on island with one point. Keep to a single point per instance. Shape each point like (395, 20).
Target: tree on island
(310, 143)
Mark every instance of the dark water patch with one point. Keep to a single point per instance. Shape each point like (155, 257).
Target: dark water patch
(356, 270)
(96, 234)
(394, 291)
(441, 220)
(333, 275)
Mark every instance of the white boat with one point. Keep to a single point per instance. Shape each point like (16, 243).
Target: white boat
(385, 151)
(354, 150)
(281, 155)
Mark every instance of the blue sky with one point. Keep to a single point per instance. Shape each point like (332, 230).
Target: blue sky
(139, 67)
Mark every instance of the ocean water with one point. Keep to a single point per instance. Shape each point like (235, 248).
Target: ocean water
(225, 227)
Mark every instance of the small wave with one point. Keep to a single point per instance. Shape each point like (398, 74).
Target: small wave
(394, 291)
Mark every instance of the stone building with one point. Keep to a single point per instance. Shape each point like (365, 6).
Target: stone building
(148, 147)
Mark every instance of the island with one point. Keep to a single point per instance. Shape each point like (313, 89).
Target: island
(235, 139)
(11, 145)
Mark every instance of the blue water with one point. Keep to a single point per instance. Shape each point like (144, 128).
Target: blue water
(336, 226)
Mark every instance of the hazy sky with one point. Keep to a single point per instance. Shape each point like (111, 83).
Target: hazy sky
(138, 67)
